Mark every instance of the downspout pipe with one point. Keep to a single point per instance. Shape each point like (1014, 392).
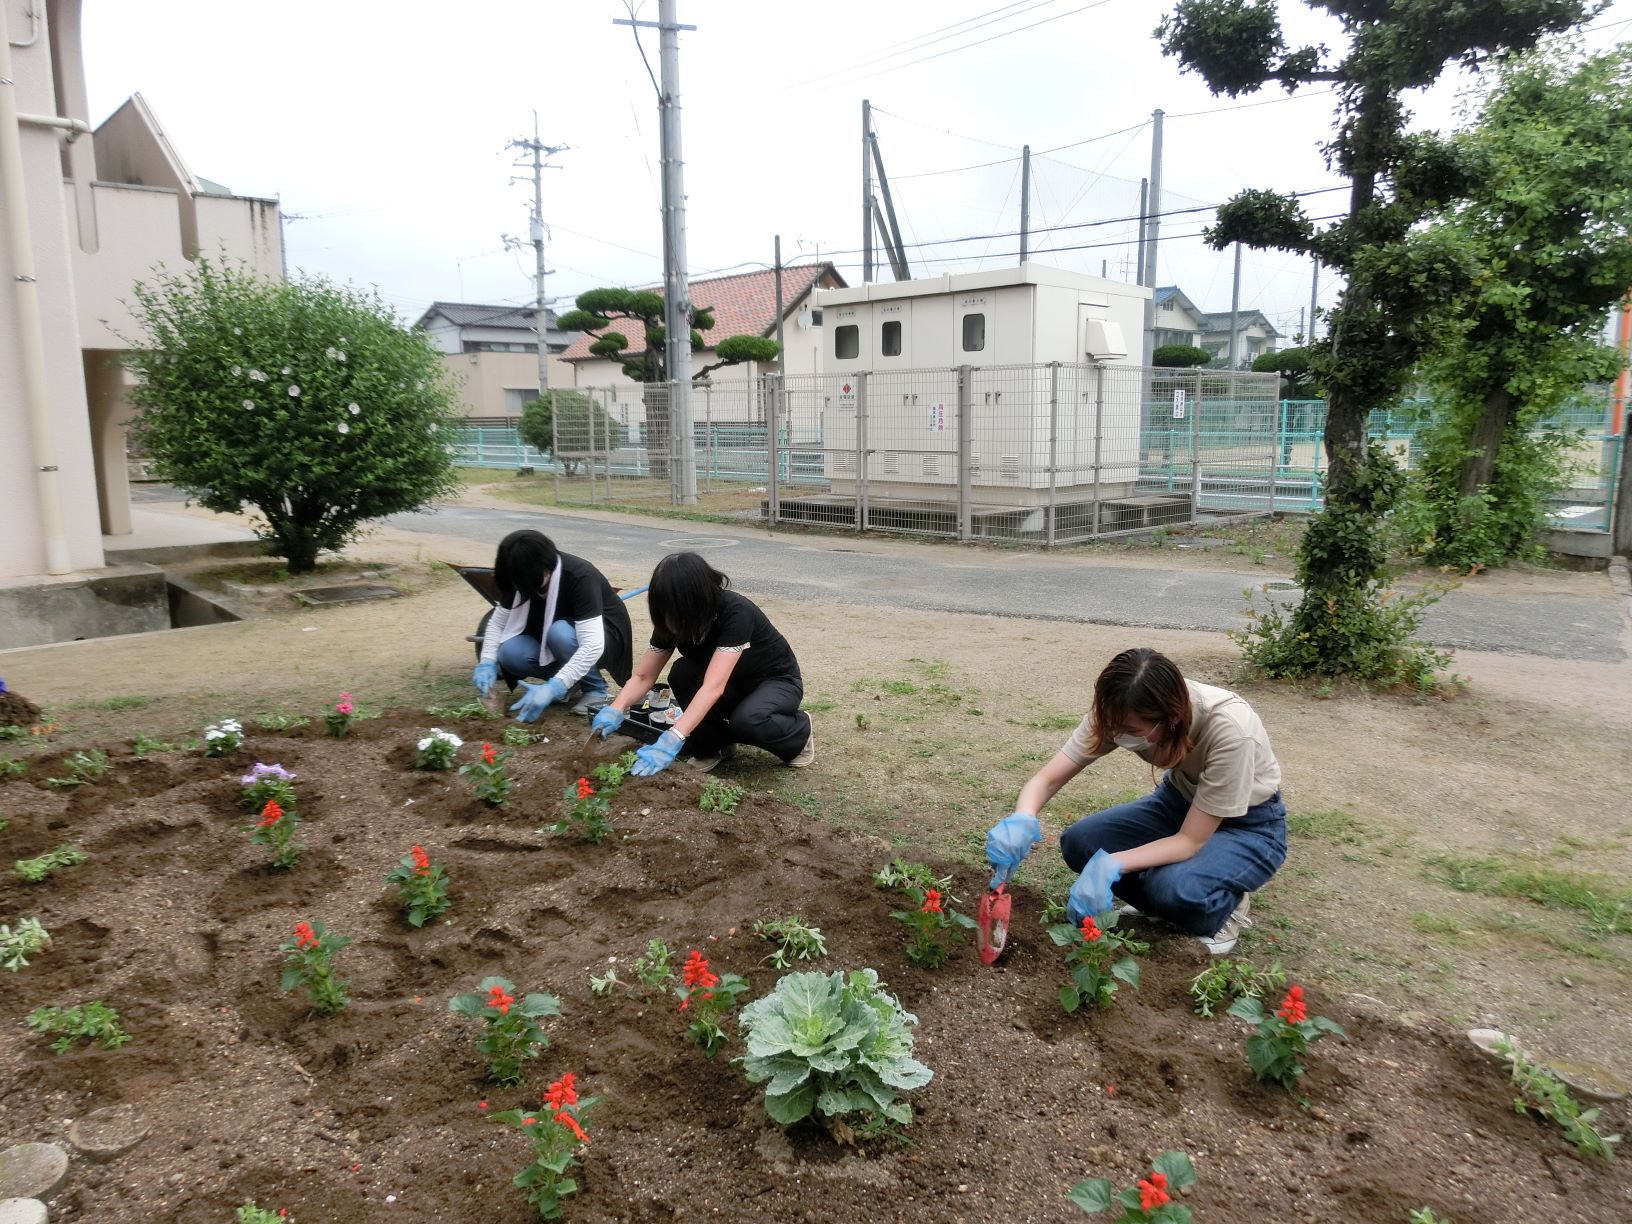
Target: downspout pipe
(30, 327)
(73, 129)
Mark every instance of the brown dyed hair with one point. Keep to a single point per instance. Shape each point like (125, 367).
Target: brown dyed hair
(1147, 684)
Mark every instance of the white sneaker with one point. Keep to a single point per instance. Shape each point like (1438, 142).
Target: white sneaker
(1223, 942)
(1124, 910)
(807, 754)
(591, 703)
(709, 763)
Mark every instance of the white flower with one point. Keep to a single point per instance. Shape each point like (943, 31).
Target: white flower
(237, 331)
(249, 403)
(353, 409)
(294, 390)
(257, 376)
(340, 354)
(237, 371)
(343, 427)
(446, 737)
(285, 370)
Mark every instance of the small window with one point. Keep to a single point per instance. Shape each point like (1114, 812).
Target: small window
(974, 333)
(890, 341)
(847, 341)
(816, 316)
(517, 398)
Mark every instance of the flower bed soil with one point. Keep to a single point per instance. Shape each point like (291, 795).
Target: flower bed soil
(250, 1095)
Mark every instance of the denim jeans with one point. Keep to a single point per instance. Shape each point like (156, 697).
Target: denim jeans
(518, 657)
(1200, 893)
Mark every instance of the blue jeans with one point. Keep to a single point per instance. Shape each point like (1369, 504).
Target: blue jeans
(1200, 893)
(518, 657)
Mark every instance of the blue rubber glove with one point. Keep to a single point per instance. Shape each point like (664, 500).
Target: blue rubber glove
(1008, 843)
(536, 698)
(607, 720)
(655, 758)
(485, 677)
(1091, 894)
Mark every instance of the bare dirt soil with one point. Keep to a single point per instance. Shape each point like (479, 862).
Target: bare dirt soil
(372, 1114)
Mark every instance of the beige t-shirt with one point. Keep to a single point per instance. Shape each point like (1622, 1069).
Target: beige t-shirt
(1230, 766)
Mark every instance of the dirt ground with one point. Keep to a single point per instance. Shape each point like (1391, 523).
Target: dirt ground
(373, 1114)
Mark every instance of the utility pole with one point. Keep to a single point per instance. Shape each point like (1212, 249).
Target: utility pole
(1153, 227)
(1235, 312)
(866, 191)
(676, 290)
(1302, 335)
(1144, 220)
(1314, 294)
(539, 151)
(1025, 201)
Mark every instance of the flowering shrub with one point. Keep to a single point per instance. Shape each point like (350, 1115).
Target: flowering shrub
(713, 997)
(1149, 1202)
(934, 928)
(276, 831)
(794, 940)
(511, 1034)
(587, 813)
(265, 783)
(557, 1135)
(1277, 1049)
(837, 1045)
(1092, 961)
(338, 720)
(17, 946)
(491, 783)
(437, 750)
(422, 885)
(93, 1021)
(223, 738)
(308, 963)
(36, 870)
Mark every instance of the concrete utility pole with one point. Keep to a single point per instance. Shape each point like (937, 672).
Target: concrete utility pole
(866, 191)
(1025, 201)
(1144, 222)
(1235, 312)
(676, 290)
(1314, 295)
(539, 151)
(1153, 228)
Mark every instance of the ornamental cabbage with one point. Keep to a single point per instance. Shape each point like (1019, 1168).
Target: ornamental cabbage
(837, 1044)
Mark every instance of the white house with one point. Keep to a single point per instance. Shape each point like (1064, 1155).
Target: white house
(1180, 321)
(492, 353)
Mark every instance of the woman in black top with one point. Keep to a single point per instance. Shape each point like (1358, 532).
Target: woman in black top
(736, 680)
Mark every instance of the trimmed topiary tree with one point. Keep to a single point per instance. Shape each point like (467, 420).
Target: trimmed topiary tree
(1179, 356)
(306, 400)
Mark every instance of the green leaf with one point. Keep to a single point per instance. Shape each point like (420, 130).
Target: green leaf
(1249, 1008)
(1177, 1167)
(792, 1107)
(1070, 998)
(1092, 1194)
(1127, 971)
(466, 1005)
(539, 1005)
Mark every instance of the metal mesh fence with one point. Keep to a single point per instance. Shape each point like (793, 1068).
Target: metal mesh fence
(1043, 454)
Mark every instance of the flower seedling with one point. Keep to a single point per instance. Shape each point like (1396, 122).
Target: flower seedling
(491, 784)
(1098, 958)
(1053, 912)
(720, 796)
(794, 940)
(338, 720)
(249, 1213)
(836, 1045)
(511, 1031)
(13, 767)
(1542, 1091)
(276, 831)
(587, 813)
(611, 774)
(29, 939)
(308, 963)
(264, 784)
(280, 720)
(521, 737)
(556, 1134)
(904, 877)
(466, 709)
(605, 983)
(83, 768)
(652, 966)
(422, 884)
(1425, 1215)
(223, 738)
(708, 998)
(1224, 981)
(437, 750)
(36, 870)
(1148, 1202)
(94, 1021)
(1276, 1051)
(934, 929)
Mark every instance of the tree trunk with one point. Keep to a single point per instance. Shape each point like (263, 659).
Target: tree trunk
(1480, 466)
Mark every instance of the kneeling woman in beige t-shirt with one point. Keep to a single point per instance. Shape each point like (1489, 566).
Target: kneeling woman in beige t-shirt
(1194, 850)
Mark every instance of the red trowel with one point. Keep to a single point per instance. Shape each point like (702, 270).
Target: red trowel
(992, 924)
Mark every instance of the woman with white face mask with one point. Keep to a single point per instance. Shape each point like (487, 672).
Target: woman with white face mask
(1195, 849)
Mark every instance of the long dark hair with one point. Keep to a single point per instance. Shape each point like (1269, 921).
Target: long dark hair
(1147, 684)
(524, 563)
(684, 596)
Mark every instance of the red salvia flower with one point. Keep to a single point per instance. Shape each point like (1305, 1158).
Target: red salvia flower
(529, 1121)
(696, 971)
(571, 1123)
(422, 861)
(270, 814)
(1090, 930)
(305, 937)
(1153, 1192)
(563, 1092)
(932, 902)
(585, 790)
(1293, 1009)
(482, 1105)
(497, 998)
(489, 757)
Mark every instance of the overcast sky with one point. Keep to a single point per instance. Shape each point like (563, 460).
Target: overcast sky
(383, 126)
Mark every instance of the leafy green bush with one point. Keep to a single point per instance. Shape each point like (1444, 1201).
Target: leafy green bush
(837, 1045)
(1179, 356)
(565, 424)
(307, 401)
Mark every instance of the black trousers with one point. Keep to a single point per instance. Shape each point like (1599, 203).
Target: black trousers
(766, 716)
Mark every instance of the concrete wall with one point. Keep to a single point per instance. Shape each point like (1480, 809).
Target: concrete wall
(243, 228)
(483, 378)
(130, 600)
(137, 229)
(131, 148)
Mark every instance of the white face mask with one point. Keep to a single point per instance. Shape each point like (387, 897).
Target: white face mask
(1135, 742)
